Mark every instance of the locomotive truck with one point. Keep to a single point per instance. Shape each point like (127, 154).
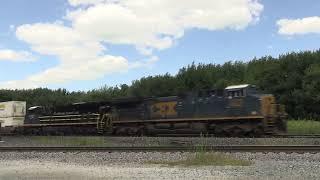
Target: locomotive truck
(238, 110)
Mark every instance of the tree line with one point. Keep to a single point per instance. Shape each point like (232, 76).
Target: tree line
(294, 78)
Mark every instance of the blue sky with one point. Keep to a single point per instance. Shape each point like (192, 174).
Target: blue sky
(85, 44)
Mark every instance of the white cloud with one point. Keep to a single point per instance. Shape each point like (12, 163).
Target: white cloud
(85, 2)
(63, 73)
(16, 56)
(146, 63)
(147, 25)
(299, 26)
(158, 23)
(56, 39)
(80, 58)
(12, 27)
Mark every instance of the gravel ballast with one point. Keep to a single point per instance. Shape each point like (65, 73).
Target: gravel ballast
(149, 141)
(124, 165)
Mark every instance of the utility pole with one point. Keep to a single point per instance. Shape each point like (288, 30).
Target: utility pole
(0, 134)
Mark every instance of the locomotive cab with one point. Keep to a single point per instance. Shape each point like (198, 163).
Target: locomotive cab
(240, 90)
(32, 115)
(273, 113)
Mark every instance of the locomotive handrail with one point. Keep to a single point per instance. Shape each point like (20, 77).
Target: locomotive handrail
(72, 115)
(73, 119)
(192, 119)
(60, 124)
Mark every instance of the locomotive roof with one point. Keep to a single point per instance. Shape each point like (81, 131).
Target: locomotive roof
(33, 107)
(238, 86)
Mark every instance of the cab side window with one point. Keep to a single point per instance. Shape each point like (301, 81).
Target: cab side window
(237, 93)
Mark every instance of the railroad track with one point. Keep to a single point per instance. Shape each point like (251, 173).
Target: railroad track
(297, 136)
(238, 148)
(192, 135)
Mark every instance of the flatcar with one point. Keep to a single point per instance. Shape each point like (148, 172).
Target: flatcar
(238, 110)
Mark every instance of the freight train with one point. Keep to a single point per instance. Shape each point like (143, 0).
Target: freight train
(238, 110)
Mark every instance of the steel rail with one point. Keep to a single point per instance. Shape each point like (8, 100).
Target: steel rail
(297, 136)
(238, 148)
(182, 135)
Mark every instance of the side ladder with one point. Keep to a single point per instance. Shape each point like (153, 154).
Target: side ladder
(270, 125)
(104, 123)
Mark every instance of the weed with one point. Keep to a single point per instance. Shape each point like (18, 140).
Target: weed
(202, 157)
(206, 159)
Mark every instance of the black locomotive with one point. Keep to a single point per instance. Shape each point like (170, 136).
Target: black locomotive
(234, 111)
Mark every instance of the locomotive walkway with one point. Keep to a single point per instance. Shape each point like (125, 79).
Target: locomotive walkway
(237, 148)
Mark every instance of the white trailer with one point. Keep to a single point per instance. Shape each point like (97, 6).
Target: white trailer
(12, 113)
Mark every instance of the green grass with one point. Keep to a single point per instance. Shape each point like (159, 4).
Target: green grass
(303, 127)
(206, 159)
(70, 141)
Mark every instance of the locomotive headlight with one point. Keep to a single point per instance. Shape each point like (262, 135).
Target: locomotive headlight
(253, 112)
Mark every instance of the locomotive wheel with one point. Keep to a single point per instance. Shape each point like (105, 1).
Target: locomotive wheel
(249, 134)
(60, 133)
(258, 132)
(132, 131)
(122, 131)
(141, 132)
(218, 132)
(237, 132)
